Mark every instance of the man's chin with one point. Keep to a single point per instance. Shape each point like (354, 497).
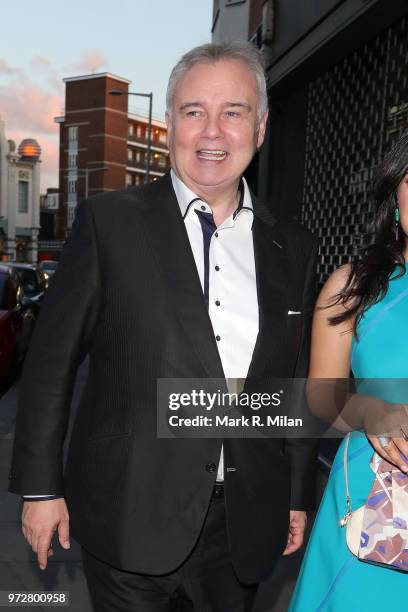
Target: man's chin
(213, 179)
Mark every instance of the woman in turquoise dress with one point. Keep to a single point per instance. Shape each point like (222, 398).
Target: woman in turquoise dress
(361, 323)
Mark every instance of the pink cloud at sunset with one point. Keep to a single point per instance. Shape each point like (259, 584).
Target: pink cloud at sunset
(31, 98)
(30, 107)
(90, 61)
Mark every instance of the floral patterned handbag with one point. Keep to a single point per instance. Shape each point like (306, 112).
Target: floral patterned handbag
(377, 532)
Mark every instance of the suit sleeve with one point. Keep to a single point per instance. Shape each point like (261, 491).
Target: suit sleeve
(60, 342)
(302, 452)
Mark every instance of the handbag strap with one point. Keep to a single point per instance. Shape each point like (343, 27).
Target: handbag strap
(345, 519)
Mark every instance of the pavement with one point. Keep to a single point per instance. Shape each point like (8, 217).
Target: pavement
(18, 567)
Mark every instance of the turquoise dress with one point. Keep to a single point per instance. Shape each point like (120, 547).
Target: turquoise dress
(331, 579)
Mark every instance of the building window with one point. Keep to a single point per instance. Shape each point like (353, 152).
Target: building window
(52, 201)
(22, 196)
(162, 137)
(130, 154)
(130, 129)
(137, 156)
(73, 134)
(128, 179)
(72, 186)
(162, 161)
(139, 131)
(72, 160)
(137, 179)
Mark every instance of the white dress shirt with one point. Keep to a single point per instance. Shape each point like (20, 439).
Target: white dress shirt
(231, 277)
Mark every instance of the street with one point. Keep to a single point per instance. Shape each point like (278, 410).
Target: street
(18, 567)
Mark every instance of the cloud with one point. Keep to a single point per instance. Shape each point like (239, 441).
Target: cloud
(90, 61)
(41, 63)
(44, 68)
(31, 98)
(29, 101)
(6, 69)
(30, 105)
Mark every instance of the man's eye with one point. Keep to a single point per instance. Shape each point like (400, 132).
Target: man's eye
(232, 114)
(193, 113)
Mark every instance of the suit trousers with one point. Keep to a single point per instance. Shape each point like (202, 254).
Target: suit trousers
(205, 582)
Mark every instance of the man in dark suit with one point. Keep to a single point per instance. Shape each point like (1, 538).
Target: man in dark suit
(187, 277)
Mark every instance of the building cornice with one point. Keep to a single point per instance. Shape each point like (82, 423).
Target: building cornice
(99, 75)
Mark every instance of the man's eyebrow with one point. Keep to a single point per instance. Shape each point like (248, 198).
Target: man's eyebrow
(239, 104)
(244, 105)
(189, 104)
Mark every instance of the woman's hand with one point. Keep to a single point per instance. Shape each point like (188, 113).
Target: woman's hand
(386, 428)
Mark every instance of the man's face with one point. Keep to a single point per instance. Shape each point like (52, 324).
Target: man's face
(213, 130)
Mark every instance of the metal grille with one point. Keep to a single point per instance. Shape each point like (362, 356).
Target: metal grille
(355, 111)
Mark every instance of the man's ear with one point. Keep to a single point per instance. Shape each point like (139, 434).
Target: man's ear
(261, 130)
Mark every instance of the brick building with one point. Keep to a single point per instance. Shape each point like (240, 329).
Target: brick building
(102, 146)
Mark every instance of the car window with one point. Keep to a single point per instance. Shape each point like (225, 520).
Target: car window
(29, 281)
(49, 265)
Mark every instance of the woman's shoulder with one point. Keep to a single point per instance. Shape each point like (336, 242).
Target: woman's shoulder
(336, 282)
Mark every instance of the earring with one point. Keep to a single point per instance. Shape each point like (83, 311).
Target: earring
(396, 222)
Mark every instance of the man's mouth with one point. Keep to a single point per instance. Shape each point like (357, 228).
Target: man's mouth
(212, 154)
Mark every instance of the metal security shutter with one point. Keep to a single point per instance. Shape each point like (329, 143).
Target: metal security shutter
(355, 111)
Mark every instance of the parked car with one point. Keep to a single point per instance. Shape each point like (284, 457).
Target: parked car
(34, 284)
(48, 266)
(17, 321)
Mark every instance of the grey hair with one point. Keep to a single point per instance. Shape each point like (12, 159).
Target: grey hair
(211, 53)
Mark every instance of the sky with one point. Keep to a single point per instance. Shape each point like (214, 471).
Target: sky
(43, 42)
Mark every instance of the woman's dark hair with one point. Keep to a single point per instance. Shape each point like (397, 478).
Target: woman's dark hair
(372, 266)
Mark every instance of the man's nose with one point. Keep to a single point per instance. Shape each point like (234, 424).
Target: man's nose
(212, 128)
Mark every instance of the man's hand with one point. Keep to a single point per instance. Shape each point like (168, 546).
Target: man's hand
(40, 519)
(297, 526)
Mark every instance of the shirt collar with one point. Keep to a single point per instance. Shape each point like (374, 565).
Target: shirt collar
(187, 198)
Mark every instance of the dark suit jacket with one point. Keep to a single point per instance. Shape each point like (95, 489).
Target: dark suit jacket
(127, 293)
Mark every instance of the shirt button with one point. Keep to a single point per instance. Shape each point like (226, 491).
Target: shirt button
(211, 468)
(203, 208)
(217, 303)
(216, 234)
(217, 268)
(218, 338)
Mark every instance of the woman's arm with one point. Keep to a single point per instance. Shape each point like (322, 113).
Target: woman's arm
(328, 392)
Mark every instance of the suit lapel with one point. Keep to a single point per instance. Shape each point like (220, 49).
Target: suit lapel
(176, 260)
(271, 275)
